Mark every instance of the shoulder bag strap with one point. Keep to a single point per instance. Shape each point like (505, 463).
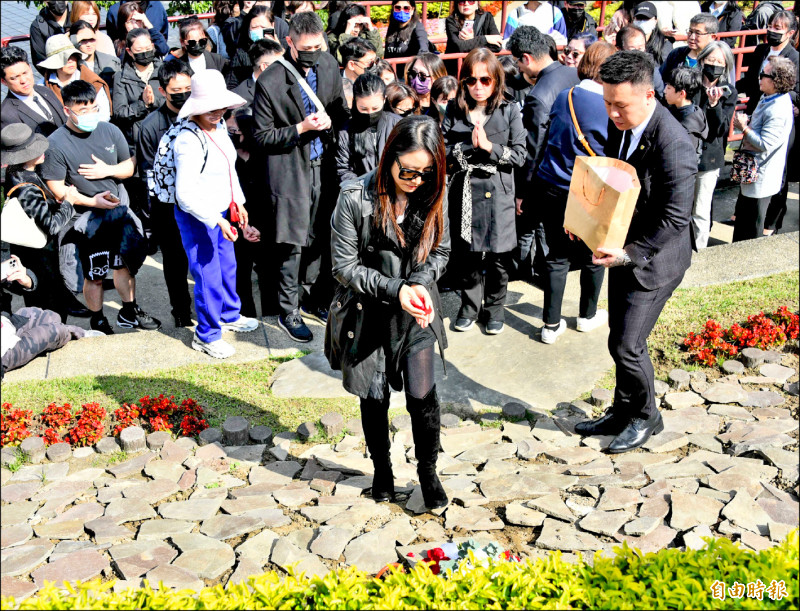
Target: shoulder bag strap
(22, 184)
(303, 83)
(581, 137)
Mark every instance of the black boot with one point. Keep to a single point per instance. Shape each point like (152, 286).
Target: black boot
(426, 425)
(375, 420)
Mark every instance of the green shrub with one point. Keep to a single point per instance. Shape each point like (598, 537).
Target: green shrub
(668, 579)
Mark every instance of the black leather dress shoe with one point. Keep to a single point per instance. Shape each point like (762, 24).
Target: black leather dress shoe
(611, 423)
(638, 431)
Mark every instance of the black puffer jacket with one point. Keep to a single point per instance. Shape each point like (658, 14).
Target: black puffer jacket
(370, 276)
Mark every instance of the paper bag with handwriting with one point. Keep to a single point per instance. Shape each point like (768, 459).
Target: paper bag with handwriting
(602, 196)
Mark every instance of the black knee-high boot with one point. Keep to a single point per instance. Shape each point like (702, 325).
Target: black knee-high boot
(425, 426)
(375, 420)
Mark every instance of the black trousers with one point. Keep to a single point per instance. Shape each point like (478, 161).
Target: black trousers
(632, 313)
(176, 265)
(304, 272)
(561, 252)
(485, 283)
(751, 214)
(249, 256)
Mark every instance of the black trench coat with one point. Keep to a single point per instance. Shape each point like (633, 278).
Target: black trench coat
(277, 109)
(367, 279)
(493, 205)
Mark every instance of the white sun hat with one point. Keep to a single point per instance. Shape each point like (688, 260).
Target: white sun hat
(209, 93)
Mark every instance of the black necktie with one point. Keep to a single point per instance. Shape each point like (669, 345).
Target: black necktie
(45, 111)
(626, 143)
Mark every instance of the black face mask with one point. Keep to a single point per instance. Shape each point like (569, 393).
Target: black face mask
(195, 48)
(574, 15)
(712, 73)
(57, 8)
(368, 119)
(145, 58)
(179, 99)
(307, 59)
(774, 38)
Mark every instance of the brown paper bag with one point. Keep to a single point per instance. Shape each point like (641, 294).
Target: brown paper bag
(602, 196)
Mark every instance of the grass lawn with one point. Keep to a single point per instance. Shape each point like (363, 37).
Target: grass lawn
(224, 390)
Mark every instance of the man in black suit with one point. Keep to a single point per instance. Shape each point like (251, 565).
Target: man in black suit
(34, 105)
(263, 54)
(297, 139)
(657, 250)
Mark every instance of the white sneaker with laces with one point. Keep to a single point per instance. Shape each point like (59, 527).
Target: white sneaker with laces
(590, 324)
(549, 336)
(219, 349)
(243, 325)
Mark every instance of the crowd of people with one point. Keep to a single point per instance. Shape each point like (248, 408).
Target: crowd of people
(228, 152)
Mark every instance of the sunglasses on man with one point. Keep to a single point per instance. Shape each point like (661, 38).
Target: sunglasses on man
(409, 174)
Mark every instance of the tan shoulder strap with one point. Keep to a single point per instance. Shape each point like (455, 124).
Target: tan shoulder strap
(22, 184)
(581, 137)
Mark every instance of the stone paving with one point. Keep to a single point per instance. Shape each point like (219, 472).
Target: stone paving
(725, 465)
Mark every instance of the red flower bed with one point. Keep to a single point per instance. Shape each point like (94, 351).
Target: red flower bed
(760, 331)
(87, 425)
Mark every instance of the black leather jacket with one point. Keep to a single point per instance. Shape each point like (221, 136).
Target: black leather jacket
(369, 276)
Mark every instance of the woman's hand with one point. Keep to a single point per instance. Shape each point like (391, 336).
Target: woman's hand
(148, 97)
(466, 35)
(740, 120)
(244, 218)
(417, 301)
(228, 232)
(714, 94)
(494, 39)
(72, 195)
(479, 139)
(251, 234)
(143, 18)
(20, 274)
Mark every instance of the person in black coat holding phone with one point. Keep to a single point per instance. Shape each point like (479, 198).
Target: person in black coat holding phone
(657, 251)
(297, 141)
(469, 27)
(390, 243)
(485, 142)
(364, 136)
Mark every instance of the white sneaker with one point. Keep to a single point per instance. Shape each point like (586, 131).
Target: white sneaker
(243, 325)
(590, 324)
(93, 333)
(219, 349)
(549, 336)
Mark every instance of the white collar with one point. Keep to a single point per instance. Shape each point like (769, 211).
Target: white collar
(24, 98)
(590, 85)
(636, 132)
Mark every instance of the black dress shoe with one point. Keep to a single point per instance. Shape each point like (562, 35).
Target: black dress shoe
(182, 320)
(611, 423)
(638, 431)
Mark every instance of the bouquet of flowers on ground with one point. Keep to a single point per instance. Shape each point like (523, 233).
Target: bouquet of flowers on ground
(461, 555)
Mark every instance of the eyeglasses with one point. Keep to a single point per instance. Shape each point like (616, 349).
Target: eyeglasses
(409, 174)
(697, 34)
(765, 75)
(405, 9)
(572, 53)
(369, 66)
(413, 74)
(86, 110)
(484, 80)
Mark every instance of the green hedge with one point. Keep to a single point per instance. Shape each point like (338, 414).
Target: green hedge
(668, 579)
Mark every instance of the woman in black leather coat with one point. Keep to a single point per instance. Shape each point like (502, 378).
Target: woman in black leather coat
(390, 243)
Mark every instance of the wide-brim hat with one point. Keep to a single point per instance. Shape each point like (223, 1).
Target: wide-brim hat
(20, 144)
(59, 49)
(209, 93)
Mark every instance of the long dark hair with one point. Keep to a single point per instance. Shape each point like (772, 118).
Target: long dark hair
(460, 18)
(409, 135)
(397, 32)
(481, 55)
(244, 31)
(656, 46)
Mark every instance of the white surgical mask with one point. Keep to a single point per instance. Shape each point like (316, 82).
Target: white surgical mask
(647, 25)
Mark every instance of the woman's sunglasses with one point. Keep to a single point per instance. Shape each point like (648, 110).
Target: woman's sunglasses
(571, 53)
(408, 174)
(405, 9)
(413, 74)
(764, 75)
(472, 80)
(403, 113)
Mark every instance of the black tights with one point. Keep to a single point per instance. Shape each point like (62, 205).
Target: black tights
(418, 373)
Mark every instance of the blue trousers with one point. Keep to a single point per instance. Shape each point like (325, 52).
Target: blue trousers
(213, 265)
